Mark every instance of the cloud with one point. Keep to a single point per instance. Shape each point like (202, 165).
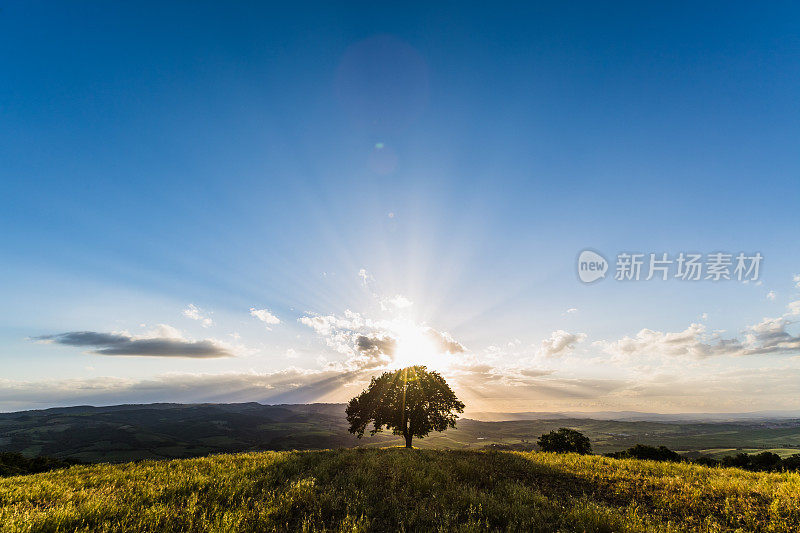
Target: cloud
(560, 343)
(771, 295)
(796, 280)
(265, 316)
(571, 310)
(769, 336)
(366, 278)
(369, 343)
(376, 345)
(482, 386)
(291, 385)
(444, 341)
(526, 387)
(126, 344)
(373, 352)
(195, 313)
(691, 342)
(398, 301)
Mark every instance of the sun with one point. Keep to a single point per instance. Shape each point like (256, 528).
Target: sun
(416, 347)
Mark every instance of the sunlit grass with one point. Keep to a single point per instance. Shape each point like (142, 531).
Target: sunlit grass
(397, 489)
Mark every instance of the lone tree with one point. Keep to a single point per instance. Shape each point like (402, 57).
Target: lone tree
(411, 402)
(564, 440)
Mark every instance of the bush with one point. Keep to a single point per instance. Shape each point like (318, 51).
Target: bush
(704, 460)
(565, 440)
(761, 462)
(792, 462)
(642, 451)
(15, 464)
(765, 462)
(740, 460)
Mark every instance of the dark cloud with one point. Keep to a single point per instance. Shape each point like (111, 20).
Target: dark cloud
(375, 346)
(120, 344)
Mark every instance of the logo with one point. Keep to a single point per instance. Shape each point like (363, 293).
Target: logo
(591, 266)
(663, 266)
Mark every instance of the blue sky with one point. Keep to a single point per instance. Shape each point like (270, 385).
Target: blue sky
(251, 157)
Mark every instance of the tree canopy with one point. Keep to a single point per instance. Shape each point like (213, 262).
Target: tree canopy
(564, 440)
(411, 402)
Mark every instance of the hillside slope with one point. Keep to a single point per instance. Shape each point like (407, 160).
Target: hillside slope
(396, 489)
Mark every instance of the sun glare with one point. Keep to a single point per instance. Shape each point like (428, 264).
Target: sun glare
(416, 347)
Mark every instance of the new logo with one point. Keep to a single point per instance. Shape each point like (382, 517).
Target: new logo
(591, 266)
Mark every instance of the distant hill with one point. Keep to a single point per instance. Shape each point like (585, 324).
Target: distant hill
(153, 431)
(166, 431)
(400, 490)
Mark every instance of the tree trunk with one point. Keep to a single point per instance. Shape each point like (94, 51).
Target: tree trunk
(409, 436)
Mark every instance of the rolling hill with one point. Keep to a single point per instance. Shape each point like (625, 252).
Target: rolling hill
(171, 431)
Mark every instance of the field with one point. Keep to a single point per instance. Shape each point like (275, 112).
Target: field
(173, 431)
(400, 490)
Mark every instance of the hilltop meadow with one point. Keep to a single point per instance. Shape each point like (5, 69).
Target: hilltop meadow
(399, 489)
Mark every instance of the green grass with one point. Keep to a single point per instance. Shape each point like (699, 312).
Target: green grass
(400, 490)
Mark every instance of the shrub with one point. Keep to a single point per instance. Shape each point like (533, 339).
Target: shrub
(14, 464)
(792, 462)
(706, 461)
(565, 440)
(642, 451)
(765, 461)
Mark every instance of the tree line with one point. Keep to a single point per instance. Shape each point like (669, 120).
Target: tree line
(565, 440)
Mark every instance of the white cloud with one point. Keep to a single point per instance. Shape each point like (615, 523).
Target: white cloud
(560, 343)
(195, 313)
(444, 341)
(369, 343)
(160, 331)
(398, 301)
(265, 316)
(771, 295)
(366, 278)
(769, 336)
(571, 310)
(689, 342)
(796, 280)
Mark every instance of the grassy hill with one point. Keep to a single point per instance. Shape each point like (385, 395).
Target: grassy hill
(397, 489)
